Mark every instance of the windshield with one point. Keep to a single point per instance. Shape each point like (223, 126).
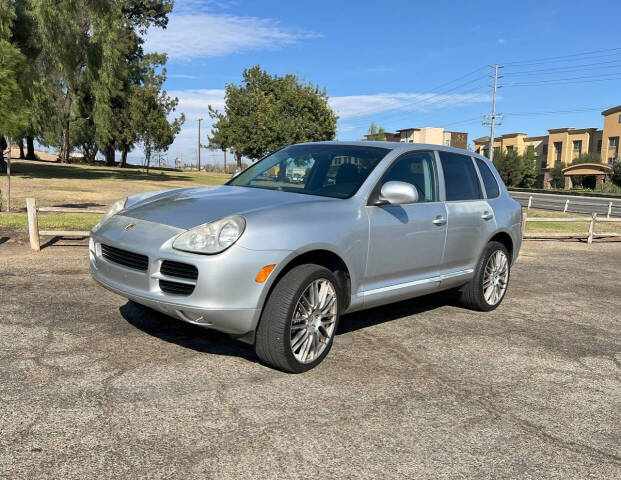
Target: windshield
(315, 169)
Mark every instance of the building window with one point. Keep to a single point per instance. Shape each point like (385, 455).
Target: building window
(599, 146)
(558, 149)
(545, 149)
(619, 118)
(613, 149)
(577, 147)
(510, 148)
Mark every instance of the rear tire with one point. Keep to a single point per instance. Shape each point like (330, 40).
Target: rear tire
(288, 318)
(489, 285)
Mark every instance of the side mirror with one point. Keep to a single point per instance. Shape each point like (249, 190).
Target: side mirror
(398, 193)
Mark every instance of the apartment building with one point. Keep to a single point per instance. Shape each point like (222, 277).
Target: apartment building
(563, 145)
(431, 135)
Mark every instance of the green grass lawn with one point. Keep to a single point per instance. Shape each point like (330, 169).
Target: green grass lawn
(53, 184)
(569, 228)
(51, 221)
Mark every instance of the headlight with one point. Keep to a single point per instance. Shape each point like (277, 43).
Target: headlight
(115, 208)
(212, 237)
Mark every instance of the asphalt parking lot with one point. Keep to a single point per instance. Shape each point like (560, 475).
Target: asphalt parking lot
(92, 387)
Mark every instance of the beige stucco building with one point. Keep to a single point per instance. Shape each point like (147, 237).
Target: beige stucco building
(434, 136)
(562, 145)
(431, 135)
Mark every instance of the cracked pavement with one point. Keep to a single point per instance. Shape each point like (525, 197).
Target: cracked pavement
(93, 387)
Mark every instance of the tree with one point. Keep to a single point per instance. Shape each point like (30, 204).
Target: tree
(587, 158)
(151, 107)
(557, 178)
(13, 73)
(529, 167)
(376, 133)
(510, 166)
(616, 172)
(89, 44)
(267, 112)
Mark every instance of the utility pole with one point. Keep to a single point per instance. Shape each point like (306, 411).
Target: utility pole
(492, 118)
(199, 144)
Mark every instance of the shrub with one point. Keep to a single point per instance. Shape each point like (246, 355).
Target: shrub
(608, 187)
(616, 172)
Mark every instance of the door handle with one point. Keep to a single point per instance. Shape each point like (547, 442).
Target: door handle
(439, 220)
(487, 215)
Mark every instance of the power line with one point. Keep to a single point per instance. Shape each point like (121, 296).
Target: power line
(567, 81)
(561, 57)
(569, 68)
(467, 120)
(444, 101)
(550, 112)
(423, 102)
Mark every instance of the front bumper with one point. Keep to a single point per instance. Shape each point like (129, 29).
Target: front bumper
(225, 296)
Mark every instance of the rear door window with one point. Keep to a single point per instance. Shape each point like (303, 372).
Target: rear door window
(460, 177)
(491, 186)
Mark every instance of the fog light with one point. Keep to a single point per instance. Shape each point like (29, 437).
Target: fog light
(264, 273)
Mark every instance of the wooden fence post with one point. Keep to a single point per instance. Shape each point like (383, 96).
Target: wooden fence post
(33, 223)
(592, 228)
(8, 178)
(524, 217)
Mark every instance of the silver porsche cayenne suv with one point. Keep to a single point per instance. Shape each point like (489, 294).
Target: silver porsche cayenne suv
(275, 256)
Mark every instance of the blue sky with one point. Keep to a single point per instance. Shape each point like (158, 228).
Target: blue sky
(401, 64)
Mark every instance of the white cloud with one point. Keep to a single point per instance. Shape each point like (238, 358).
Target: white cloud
(362, 105)
(205, 34)
(181, 75)
(194, 103)
(501, 40)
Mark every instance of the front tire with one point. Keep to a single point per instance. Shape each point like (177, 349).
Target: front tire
(299, 319)
(489, 285)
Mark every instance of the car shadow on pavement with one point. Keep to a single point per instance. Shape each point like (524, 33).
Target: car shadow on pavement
(184, 334)
(204, 340)
(393, 311)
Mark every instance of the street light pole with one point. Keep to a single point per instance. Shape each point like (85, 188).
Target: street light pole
(199, 144)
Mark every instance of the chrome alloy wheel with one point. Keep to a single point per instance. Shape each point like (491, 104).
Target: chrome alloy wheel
(313, 322)
(495, 277)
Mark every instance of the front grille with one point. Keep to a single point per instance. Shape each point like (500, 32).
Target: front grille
(125, 258)
(178, 269)
(176, 287)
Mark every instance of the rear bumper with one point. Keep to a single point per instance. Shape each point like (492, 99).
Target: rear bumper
(225, 296)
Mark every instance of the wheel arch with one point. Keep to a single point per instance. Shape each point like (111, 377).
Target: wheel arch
(318, 255)
(324, 257)
(504, 238)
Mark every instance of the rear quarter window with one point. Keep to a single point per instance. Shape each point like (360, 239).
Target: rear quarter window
(460, 177)
(489, 181)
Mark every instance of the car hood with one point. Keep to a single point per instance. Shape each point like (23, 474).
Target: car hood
(190, 207)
